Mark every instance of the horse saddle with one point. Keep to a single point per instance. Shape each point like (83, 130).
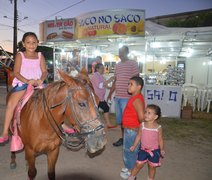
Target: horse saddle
(16, 142)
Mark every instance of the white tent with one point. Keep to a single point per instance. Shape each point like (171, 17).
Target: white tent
(179, 42)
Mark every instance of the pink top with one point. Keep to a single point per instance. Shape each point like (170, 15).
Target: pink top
(97, 82)
(123, 72)
(30, 69)
(149, 138)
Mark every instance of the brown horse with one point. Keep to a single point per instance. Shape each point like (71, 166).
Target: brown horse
(70, 99)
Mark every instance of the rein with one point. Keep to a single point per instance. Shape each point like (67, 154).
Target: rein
(56, 127)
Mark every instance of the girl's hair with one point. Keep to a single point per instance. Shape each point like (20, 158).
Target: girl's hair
(99, 58)
(29, 34)
(25, 36)
(98, 65)
(155, 108)
(138, 80)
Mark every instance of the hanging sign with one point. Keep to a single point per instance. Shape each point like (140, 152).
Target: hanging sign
(58, 30)
(111, 23)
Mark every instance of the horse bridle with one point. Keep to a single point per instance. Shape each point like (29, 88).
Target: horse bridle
(56, 127)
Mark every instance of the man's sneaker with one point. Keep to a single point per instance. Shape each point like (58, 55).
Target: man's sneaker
(125, 175)
(119, 142)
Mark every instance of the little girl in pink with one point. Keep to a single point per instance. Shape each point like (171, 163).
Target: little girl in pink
(30, 68)
(152, 146)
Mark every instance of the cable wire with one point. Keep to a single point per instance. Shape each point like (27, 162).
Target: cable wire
(34, 22)
(65, 9)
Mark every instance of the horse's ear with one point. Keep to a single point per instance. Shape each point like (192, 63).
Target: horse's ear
(62, 74)
(84, 71)
(65, 77)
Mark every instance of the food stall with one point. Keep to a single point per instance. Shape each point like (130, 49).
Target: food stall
(81, 39)
(92, 34)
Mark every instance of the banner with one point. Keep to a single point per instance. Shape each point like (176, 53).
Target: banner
(58, 30)
(167, 97)
(111, 22)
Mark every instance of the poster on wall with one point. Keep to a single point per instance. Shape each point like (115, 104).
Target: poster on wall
(167, 97)
(58, 30)
(111, 23)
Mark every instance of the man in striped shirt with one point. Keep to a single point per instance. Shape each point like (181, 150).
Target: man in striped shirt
(124, 70)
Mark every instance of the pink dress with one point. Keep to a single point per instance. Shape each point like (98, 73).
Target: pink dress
(30, 69)
(150, 138)
(150, 150)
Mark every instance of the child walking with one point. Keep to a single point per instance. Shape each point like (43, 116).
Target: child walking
(132, 117)
(152, 147)
(100, 85)
(30, 68)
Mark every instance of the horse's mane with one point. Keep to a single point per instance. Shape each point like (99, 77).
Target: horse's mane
(52, 89)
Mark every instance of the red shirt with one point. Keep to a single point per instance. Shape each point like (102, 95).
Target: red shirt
(130, 116)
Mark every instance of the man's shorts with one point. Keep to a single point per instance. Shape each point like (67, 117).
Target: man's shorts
(120, 104)
(152, 157)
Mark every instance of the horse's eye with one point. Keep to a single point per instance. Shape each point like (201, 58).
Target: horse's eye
(82, 104)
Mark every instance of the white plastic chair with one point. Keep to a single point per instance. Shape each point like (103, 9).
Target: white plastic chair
(190, 94)
(208, 98)
(203, 100)
(201, 96)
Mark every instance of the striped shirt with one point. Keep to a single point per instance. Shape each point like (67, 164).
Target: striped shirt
(123, 72)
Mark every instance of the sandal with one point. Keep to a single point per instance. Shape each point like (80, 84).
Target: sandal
(4, 139)
(110, 127)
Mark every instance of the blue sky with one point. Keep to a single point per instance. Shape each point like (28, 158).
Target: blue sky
(41, 10)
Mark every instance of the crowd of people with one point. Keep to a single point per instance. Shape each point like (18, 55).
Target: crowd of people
(142, 137)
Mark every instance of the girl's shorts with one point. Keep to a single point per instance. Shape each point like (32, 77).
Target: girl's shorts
(152, 157)
(23, 87)
(19, 88)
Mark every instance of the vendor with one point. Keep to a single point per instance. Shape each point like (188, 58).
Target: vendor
(98, 60)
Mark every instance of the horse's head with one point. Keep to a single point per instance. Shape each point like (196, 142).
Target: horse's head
(82, 110)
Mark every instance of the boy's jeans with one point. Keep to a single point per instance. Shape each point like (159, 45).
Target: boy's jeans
(129, 157)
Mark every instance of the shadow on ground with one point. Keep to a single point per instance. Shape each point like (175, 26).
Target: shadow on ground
(78, 176)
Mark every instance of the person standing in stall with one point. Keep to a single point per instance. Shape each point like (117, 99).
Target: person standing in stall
(98, 60)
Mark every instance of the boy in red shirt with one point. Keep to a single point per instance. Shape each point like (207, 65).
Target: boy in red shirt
(132, 117)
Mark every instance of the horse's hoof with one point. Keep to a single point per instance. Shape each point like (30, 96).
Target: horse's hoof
(13, 165)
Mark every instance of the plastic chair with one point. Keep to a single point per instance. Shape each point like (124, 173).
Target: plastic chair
(190, 94)
(201, 93)
(209, 98)
(203, 100)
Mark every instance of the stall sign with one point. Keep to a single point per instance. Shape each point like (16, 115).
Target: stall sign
(167, 97)
(59, 30)
(111, 23)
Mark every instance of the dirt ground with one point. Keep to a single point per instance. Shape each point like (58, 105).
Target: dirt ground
(182, 161)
